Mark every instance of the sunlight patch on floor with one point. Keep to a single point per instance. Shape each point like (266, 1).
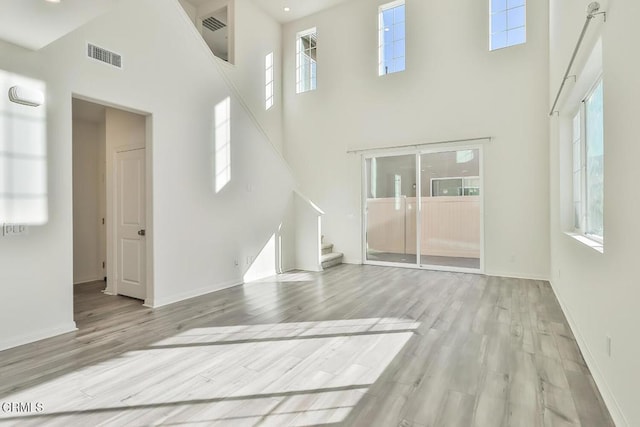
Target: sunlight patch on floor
(296, 374)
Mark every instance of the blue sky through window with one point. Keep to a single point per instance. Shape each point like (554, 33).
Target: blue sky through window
(508, 23)
(391, 43)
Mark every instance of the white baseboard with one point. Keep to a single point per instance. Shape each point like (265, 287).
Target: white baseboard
(607, 395)
(516, 276)
(90, 280)
(486, 273)
(160, 302)
(37, 336)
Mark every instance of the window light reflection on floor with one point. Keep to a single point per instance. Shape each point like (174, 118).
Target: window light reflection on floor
(298, 373)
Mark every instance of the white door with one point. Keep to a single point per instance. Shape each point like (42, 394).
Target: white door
(130, 224)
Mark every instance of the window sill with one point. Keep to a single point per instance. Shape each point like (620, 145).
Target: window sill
(593, 244)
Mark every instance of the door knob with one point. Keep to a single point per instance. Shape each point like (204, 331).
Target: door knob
(142, 232)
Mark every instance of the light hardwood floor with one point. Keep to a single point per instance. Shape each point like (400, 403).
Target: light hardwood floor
(355, 345)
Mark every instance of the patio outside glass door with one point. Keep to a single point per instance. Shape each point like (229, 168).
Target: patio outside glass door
(390, 209)
(451, 221)
(424, 209)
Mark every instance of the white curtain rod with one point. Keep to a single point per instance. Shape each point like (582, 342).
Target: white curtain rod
(418, 145)
(592, 11)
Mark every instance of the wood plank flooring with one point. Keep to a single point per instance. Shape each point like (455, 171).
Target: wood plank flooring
(354, 346)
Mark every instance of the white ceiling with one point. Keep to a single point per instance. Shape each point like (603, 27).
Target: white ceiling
(36, 23)
(299, 8)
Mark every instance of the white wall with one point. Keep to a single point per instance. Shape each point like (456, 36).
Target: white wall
(308, 234)
(36, 270)
(600, 292)
(87, 261)
(190, 9)
(256, 35)
(287, 238)
(453, 88)
(23, 154)
(197, 234)
(253, 35)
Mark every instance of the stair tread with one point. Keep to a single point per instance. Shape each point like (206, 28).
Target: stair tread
(331, 256)
(327, 245)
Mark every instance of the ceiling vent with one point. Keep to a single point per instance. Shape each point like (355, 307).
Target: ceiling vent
(213, 24)
(104, 55)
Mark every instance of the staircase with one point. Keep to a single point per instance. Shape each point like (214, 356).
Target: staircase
(329, 258)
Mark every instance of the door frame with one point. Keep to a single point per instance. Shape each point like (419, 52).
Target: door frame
(418, 151)
(110, 178)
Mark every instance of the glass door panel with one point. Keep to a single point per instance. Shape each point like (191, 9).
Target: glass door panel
(390, 209)
(450, 220)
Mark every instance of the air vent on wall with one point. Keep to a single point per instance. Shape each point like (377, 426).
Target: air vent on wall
(103, 55)
(213, 24)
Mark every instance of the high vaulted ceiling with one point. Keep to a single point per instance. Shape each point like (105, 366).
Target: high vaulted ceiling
(298, 8)
(34, 24)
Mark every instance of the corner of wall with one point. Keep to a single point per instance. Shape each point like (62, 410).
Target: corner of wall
(609, 398)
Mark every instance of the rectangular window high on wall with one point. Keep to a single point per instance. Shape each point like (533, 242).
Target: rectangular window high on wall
(391, 38)
(306, 60)
(588, 166)
(268, 81)
(508, 20)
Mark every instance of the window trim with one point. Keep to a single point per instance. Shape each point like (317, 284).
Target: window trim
(579, 113)
(580, 233)
(299, 80)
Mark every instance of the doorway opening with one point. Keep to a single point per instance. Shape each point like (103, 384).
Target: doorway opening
(110, 196)
(423, 209)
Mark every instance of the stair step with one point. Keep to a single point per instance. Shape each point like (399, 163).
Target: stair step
(331, 259)
(327, 248)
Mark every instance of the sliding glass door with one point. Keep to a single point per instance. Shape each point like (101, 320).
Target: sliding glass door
(390, 207)
(450, 226)
(424, 209)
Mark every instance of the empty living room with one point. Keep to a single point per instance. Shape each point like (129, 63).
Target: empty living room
(319, 213)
